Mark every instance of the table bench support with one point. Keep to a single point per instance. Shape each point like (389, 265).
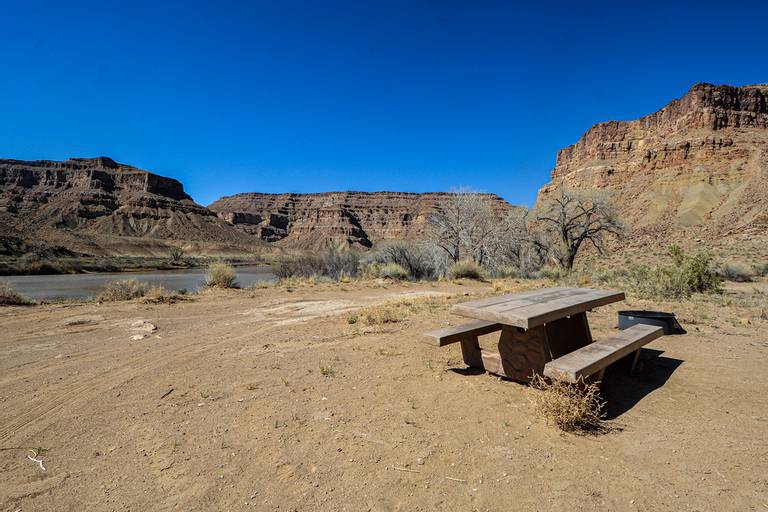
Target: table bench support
(470, 351)
(524, 352)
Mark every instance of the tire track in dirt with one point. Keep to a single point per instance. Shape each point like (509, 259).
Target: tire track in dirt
(107, 379)
(92, 386)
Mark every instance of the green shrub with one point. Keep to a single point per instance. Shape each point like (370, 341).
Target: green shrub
(699, 273)
(126, 289)
(9, 296)
(686, 275)
(175, 253)
(221, 275)
(466, 270)
(658, 282)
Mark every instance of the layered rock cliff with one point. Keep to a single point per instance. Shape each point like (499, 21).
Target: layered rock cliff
(354, 218)
(98, 206)
(695, 170)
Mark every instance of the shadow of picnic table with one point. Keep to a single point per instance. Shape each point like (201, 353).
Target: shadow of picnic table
(622, 391)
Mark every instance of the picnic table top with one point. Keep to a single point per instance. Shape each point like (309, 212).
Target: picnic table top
(536, 307)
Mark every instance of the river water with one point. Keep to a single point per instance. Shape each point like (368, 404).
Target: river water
(80, 286)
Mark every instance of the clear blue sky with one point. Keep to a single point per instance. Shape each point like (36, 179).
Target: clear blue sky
(311, 96)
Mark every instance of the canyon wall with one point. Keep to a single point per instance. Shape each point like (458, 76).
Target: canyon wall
(695, 170)
(99, 207)
(360, 219)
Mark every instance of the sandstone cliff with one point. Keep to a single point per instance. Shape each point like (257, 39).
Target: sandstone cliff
(359, 219)
(97, 206)
(695, 170)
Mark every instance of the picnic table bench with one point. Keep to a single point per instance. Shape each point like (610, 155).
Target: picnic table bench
(542, 332)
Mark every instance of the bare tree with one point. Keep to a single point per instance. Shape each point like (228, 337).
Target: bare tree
(568, 219)
(466, 226)
(517, 246)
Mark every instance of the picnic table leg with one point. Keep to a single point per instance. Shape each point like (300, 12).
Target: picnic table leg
(470, 350)
(565, 335)
(521, 353)
(634, 361)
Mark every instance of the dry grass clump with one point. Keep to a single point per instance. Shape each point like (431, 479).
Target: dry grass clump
(160, 295)
(393, 271)
(466, 270)
(327, 371)
(125, 289)
(395, 311)
(298, 282)
(221, 275)
(553, 272)
(571, 407)
(10, 297)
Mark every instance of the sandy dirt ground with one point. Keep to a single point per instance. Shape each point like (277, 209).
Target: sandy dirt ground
(270, 399)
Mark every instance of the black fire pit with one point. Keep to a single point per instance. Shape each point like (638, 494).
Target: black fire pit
(665, 320)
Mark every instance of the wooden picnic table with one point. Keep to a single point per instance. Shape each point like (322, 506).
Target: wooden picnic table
(536, 327)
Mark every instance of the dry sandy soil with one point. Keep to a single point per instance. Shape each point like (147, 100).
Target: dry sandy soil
(269, 399)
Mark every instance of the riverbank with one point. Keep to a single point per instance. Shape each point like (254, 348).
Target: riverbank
(283, 396)
(82, 265)
(84, 286)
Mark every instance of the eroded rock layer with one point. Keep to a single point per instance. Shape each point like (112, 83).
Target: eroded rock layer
(695, 170)
(97, 206)
(315, 220)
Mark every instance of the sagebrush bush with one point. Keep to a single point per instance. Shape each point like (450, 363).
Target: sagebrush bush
(572, 407)
(737, 272)
(684, 276)
(658, 282)
(10, 297)
(699, 273)
(221, 275)
(175, 253)
(125, 289)
(466, 270)
(332, 263)
(420, 260)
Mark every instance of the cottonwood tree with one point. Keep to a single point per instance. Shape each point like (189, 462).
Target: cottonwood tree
(567, 219)
(518, 245)
(466, 226)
